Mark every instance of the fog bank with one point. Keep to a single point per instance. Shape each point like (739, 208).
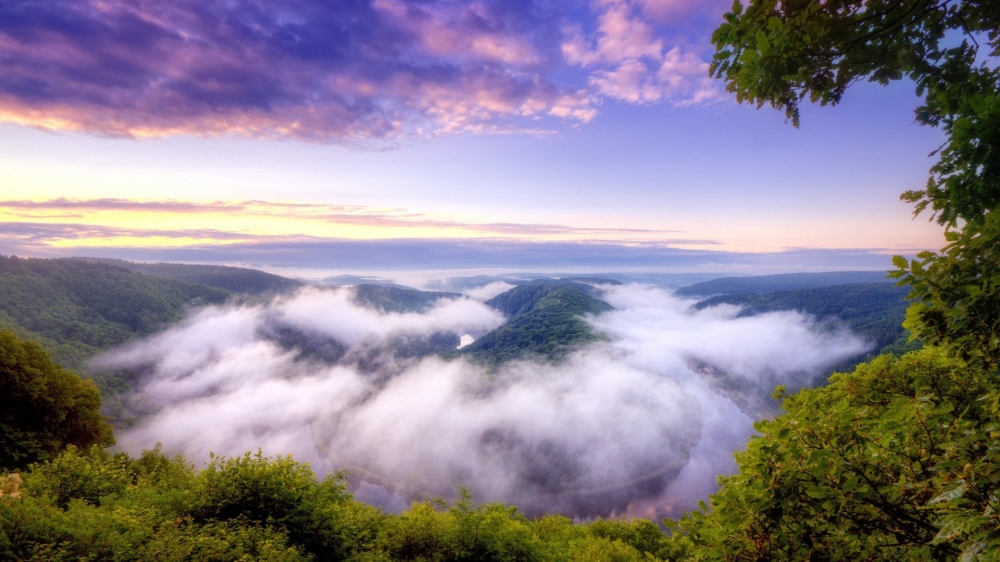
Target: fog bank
(626, 425)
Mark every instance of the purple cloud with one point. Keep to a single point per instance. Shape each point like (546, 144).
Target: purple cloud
(42, 234)
(347, 70)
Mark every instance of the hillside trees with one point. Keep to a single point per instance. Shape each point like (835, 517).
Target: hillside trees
(898, 460)
(780, 53)
(861, 469)
(43, 408)
(544, 321)
(76, 309)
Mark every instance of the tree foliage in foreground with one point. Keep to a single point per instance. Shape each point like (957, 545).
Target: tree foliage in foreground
(43, 408)
(899, 460)
(779, 53)
(93, 506)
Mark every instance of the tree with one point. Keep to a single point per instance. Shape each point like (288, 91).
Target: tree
(43, 408)
(780, 53)
(851, 471)
(898, 460)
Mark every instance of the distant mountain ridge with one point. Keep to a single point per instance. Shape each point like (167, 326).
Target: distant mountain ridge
(236, 279)
(352, 280)
(76, 308)
(781, 282)
(874, 311)
(389, 298)
(473, 282)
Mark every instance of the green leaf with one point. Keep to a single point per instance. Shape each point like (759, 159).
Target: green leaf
(952, 494)
(763, 45)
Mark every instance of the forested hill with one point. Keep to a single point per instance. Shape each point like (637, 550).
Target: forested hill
(874, 311)
(543, 320)
(783, 282)
(235, 279)
(387, 298)
(76, 308)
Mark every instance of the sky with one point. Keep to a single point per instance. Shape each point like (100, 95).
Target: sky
(433, 134)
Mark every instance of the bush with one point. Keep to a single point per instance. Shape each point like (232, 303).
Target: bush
(88, 505)
(43, 408)
(866, 468)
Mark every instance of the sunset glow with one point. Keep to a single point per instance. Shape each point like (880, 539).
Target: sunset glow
(230, 131)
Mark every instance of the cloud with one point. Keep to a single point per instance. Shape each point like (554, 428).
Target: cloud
(487, 291)
(305, 69)
(107, 210)
(633, 62)
(374, 256)
(109, 204)
(44, 233)
(616, 427)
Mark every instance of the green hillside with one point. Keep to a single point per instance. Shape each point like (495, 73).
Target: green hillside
(543, 320)
(387, 298)
(783, 282)
(235, 279)
(588, 279)
(76, 308)
(874, 311)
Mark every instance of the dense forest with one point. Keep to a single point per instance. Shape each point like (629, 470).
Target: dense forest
(92, 506)
(782, 282)
(386, 298)
(873, 311)
(85, 503)
(827, 452)
(543, 320)
(75, 308)
(77, 502)
(235, 279)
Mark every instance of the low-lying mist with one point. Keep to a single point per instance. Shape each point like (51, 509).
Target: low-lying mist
(629, 425)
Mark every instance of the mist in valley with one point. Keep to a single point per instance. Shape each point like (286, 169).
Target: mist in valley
(639, 423)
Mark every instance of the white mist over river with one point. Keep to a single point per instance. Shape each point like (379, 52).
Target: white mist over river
(623, 426)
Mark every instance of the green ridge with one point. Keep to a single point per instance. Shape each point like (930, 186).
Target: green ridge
(235, 279)
(543, 320)
(874, 311)
(387, 298)
(781, 282)
(76, 309)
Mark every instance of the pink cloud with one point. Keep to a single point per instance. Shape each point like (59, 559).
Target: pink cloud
(630, 59)
(344, 71)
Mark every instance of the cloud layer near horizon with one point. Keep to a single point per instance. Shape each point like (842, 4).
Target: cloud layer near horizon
(342, 71)
(356, 237)
(621, 426)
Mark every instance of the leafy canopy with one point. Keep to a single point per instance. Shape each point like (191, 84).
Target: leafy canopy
(88, 505)
(544, 320)
(896, 461)
(43, 408)
(780, 53)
